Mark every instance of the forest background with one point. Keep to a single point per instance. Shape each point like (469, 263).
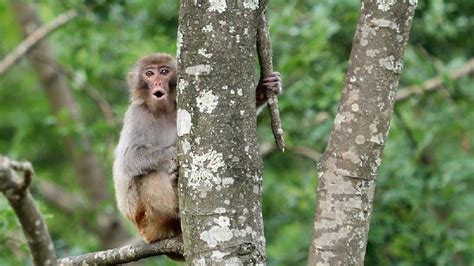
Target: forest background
(423, 207)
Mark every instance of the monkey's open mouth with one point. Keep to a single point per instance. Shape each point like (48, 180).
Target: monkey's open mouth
(158, 94)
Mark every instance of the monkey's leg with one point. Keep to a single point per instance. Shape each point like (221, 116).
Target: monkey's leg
(158, 217)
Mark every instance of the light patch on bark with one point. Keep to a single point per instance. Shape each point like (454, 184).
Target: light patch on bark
(208, 28)
(360, 139)
(338, 120)
(353, 96)
(218, 233)
(200, 261)
(366, 31)
(381, 106)
(220, 210)
(351, 155)
(251, 4)
(343, 117)
(391, 64)
(217, 5)
(179, 43)
(355, 107)
(226, 181)
(400, 38)
(413, 2)
(385, 5)
(203, 52)
(244, 232)
(186, 146)
(198, 70)
(384, 23)
(207, 102)
(372, 52)
(377, 138)
(217, 255)
(369, 68)
(239, 92)
(331, 238)
(183, 122)
(182, 84)
(204, 168)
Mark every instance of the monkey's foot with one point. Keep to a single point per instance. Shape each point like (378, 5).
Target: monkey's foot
(273, 83)
(174, 169)
(270, 83)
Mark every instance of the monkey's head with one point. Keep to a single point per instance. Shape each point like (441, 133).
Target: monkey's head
(152, 82)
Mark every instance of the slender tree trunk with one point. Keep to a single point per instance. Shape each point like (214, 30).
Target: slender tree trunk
(348, 168)
(220, 168)
(89, 171)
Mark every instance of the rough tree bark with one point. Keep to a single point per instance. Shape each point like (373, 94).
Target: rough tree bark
(348, 168)
(89, 171)
(220, 168)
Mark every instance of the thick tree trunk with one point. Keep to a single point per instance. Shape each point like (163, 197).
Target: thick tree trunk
(348, 168)
(220, 168)
(89, 171)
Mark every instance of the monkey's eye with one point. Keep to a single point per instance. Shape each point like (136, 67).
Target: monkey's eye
(149, 73)
(164, 71)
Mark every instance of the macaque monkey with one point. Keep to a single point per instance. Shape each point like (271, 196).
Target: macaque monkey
(145, 168)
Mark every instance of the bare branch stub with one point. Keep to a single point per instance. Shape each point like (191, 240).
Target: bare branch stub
(265, 54)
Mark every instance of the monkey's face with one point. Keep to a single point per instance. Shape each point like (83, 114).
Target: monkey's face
(153, 82)
(160, 87)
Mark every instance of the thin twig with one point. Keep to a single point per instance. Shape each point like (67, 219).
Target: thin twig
(30, 41)
(434, 83)
(265, 54)
(16, 191)
(128, 253)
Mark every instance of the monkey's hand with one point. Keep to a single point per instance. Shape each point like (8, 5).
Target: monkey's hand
(272, 82)
(174, 170)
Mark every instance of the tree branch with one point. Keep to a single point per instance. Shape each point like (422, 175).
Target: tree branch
(34, 38)
(265, 54)
(435, 83)
(128, 253)
(348, 168)
(16, 191)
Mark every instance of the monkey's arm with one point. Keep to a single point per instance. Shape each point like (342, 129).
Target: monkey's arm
(139, 160)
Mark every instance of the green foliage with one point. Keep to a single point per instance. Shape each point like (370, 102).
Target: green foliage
(423, 202)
